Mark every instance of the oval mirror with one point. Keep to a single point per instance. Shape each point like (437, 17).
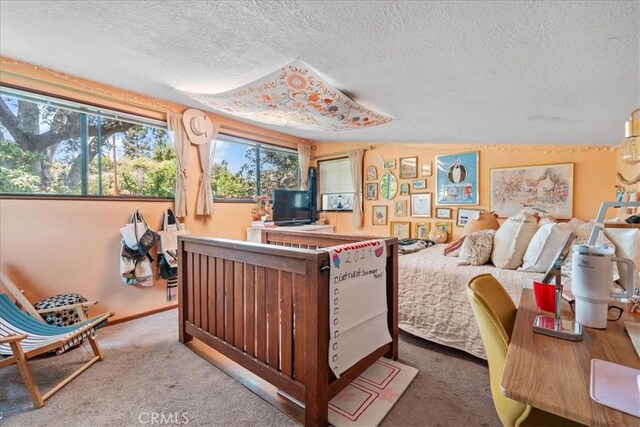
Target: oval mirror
(388, 186)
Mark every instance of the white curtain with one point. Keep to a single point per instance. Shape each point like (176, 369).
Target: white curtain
(355, 159)
(304, 156)
(204, 204)
(181, 145)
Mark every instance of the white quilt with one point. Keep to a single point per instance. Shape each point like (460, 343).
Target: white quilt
(433, 302)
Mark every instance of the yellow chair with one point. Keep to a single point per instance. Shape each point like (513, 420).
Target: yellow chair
(495, 313)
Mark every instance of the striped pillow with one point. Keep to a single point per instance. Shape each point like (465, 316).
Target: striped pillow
(453, 249)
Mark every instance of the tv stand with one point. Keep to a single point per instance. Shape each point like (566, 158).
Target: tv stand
(254, 233)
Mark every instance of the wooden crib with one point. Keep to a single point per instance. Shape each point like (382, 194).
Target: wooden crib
(266, 307)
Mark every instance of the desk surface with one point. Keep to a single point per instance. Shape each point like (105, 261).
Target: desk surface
(554, 374)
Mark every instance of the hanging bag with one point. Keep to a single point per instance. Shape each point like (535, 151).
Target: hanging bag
(135, 259)
(171, 229)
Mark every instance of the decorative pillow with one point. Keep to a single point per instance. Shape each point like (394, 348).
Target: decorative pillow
(476, 248)
(544, 246)
(512, 239)
(627, 241)
(453, 249)
(582, 238)
(485, 221)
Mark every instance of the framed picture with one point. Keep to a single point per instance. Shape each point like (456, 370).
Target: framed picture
(426, 169)
(372, 173)
(400, 208)
(404, 189)
(446, 226)
(421, 205)
(408, 167)
(337, 202)
(379, 215)
(457, 181)
(465, 215)
(545, 188)
(400, 229)
(443, 213)
(421, 230)
(389, 164)
(419, 184)
(372, 191)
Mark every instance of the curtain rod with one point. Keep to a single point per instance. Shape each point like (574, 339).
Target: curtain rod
(337, 153)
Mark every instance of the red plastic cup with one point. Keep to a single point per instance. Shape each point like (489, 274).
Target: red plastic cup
(545, 296)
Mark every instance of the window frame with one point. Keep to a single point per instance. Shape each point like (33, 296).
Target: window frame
(85, 110)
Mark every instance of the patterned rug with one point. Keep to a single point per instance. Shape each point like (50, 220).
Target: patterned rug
(368, 399)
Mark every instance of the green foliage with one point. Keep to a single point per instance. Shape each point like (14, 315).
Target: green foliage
(16, 172)
(226, 184)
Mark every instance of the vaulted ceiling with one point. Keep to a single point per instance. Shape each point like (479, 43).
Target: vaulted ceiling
(472, 72)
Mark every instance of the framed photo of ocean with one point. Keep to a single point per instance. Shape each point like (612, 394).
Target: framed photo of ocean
(457, 179)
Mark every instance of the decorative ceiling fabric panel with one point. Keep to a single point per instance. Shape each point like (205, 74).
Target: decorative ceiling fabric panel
(294, 96)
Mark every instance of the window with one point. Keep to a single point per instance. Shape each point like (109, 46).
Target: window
(335, 185)
(243, 168)
(54, 147)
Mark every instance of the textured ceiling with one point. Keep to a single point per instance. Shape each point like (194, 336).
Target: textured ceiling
(472, 72)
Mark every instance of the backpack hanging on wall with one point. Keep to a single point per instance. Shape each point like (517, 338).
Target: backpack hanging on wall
(135, 259)
(168, 250)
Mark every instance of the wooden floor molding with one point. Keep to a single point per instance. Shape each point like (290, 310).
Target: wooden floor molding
(143, 314)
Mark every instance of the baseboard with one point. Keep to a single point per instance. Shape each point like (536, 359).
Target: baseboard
(143, 314)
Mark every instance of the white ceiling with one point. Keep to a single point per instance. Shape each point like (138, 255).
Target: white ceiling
(472, 72)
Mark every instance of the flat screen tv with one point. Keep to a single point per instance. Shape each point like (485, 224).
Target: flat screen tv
(291, 207)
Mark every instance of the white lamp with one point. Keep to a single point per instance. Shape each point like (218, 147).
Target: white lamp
(631, 143)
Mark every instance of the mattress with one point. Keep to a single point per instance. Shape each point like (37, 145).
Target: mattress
(433, 303)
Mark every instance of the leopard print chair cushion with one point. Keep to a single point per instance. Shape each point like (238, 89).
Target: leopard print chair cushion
(62, 317)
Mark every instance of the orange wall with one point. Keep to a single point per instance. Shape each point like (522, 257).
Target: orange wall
(594, 175)
(57, 246)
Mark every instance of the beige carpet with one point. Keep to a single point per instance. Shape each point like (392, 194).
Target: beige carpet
(148, 373)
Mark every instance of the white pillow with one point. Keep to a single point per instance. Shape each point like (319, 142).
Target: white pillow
(582, 238)
(544, 246)
(476, 248)
(512, 240)
(627, 241)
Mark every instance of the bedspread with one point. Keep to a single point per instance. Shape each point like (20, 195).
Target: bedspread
(433, 302)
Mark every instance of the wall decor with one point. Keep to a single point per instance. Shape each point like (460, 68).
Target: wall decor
(380, 215)
(421, 230)
(389, 164)
(388, 186)
(294, 96)
(400, 229)
(419, 184)
(465, 215)
(400, 208)
(408, 167)
(421, 205)
(372, 173)
(426, 169)
(404, 189)
(446, 226)
(443, 213)
(337, 202)
(372, 191)
(457, 179)
(544, 188)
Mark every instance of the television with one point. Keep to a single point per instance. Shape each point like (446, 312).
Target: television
(291, 207)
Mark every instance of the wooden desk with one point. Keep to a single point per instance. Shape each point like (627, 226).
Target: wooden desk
(554, 374)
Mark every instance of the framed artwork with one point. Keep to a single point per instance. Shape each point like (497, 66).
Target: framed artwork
(389, 164)
(421, 205)
(421, 230)
(404, 189)
(465, 215)
(372, 173)
(379, 215)
(446, 226)
(408, 167)
(457, 179)
(545, 188)
(419, 184)
(443, 213)
(400, 208)
(372, 191)
(426, 169)
(400, 229)
(337, 202)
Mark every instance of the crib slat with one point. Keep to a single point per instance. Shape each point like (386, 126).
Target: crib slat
(286, 324)
(228, 301)
(299, 341)
(250, 301)
(272, 318)
(190, 295)
(204, 293)
(211, 292)
(196, 289)
(219, 298)
(261, 314)
(238, 305)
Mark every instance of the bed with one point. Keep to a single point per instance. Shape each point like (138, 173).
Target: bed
(266, 307)
(433, 302)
